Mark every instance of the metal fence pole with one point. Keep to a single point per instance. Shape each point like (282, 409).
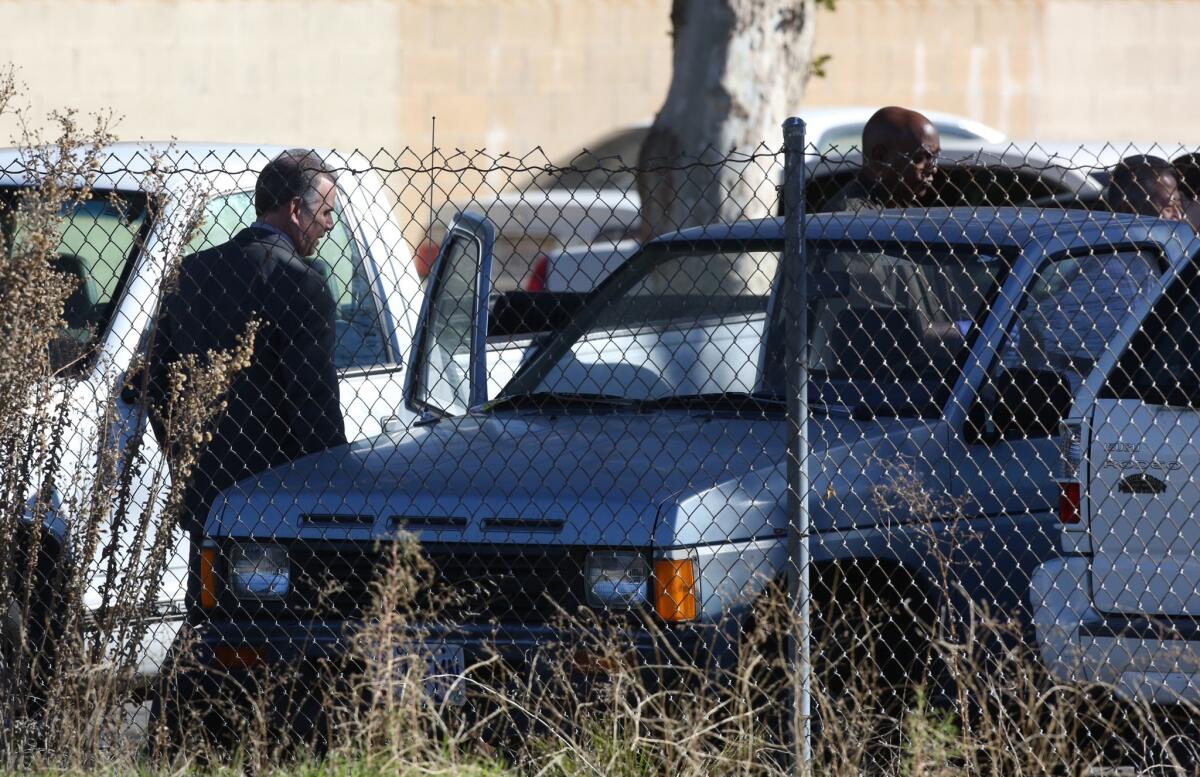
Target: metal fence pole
(796, 307)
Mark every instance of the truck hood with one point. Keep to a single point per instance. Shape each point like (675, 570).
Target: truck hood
(662, 478)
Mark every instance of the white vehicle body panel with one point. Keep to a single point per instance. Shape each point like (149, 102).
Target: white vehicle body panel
(1146, 547)
(581, 268)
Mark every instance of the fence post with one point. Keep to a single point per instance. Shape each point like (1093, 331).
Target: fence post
(796, 358)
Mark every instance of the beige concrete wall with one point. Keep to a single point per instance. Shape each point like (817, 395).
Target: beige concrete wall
(1122, 69)
(508, 74)
(514, 74)
(971, 58)
(1048, 69)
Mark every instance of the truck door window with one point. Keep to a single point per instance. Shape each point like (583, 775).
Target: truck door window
(360, 334)
(1072, 309)
(444, 366)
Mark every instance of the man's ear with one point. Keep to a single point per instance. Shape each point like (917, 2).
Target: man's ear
(294, 207)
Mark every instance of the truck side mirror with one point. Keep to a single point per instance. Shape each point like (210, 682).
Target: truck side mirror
(526, 313)
(1019, 403)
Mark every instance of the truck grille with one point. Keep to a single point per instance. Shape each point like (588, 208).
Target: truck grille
(463, 583)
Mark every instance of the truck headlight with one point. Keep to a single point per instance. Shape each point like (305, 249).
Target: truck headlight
(259, 571)
(617, 579)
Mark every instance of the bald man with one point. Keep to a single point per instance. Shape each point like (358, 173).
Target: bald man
(900, 151)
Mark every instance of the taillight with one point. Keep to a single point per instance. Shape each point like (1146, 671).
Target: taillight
(1070, 489)
(424, 258)
(1068, 502)
(539, 274)
(1070, 450)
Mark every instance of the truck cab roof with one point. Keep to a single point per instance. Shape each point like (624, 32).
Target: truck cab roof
(999, 226)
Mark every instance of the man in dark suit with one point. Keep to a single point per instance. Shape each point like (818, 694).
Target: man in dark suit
(284, 405)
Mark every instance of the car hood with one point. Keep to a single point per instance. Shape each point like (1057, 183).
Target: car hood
(661, 478)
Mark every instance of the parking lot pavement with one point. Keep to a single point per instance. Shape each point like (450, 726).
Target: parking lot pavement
(135, 727)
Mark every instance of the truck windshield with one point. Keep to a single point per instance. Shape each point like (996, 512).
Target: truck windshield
(99, 237)
(889, 325)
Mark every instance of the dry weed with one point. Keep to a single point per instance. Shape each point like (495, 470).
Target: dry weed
(68, 663)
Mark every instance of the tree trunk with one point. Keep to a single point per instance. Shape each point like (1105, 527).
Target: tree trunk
(740, 68)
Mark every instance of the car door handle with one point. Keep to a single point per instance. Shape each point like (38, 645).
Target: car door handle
(391, 423)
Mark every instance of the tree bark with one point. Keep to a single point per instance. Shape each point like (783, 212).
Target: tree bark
(739, 69)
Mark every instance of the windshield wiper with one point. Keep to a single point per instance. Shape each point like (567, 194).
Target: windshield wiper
(885, 409)
(556, 399)
(735, 401)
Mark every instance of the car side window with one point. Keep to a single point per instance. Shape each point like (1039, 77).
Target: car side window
(1161, 366)
(820, 189)
(1072, 309)
(361, 340)
(962, 185)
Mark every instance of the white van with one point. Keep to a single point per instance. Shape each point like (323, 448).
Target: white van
(1122, 608)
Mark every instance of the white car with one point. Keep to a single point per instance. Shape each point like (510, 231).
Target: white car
(118, 248)
(591, 196)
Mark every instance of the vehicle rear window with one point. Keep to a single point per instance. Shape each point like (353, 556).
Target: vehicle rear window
(99, 238)
(1161, 366)
(1073, 308)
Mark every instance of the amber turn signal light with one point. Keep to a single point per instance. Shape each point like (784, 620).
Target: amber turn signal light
(208, 577)
(675, 589)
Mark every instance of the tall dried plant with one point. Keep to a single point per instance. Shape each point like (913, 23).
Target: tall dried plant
(67, 665)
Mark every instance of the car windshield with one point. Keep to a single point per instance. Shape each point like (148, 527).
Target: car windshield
(99, 237)
(890, 323)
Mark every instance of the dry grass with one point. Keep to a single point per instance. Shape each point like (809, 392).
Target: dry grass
(377, 711)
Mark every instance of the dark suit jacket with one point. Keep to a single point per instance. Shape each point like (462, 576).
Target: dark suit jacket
(285, 405)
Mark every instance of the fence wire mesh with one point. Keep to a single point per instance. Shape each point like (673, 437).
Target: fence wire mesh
(401, 451)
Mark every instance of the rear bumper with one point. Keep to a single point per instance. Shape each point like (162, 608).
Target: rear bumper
(1059, 601)
(1151, 659)
(1141, 658)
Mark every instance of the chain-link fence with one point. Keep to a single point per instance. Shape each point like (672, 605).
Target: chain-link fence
(602, 467)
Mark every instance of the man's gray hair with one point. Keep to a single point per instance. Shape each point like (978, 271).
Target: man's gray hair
(292, 174)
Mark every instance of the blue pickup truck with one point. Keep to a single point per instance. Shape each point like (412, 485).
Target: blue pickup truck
(635, 466)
